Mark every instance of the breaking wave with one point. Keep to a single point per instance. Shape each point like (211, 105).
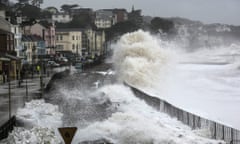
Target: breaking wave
(141, 59)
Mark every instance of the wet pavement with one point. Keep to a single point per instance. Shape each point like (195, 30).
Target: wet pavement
(19, 95)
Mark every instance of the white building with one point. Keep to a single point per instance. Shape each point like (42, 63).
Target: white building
(16, 30)
(105, 19)
(61, 17)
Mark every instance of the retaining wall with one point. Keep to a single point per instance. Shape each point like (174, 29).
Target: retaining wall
(217, 131)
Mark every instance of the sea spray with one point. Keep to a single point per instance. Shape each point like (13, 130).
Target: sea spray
(136, 122)
(40, 121)
(140, 60)
(38, 113)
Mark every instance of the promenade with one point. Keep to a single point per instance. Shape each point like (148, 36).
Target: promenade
(29, 89)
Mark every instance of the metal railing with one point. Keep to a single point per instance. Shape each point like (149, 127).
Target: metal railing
(7, 127)
(217, 131)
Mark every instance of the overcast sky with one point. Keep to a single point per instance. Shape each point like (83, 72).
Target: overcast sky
(207, 11)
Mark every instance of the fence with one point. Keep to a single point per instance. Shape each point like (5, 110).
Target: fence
(217, 131)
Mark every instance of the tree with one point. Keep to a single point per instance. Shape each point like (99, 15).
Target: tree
(78, 21)
(23, 1)
(121, 28)
(30, 11)
(158, 23)
(51, 9)
(67, 8)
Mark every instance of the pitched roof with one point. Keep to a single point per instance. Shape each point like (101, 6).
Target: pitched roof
(32, 38)
(45, 24)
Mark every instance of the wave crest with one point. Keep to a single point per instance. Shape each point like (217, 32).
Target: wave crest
(140, 60)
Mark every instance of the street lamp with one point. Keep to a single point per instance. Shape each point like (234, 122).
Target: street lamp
(9, 90)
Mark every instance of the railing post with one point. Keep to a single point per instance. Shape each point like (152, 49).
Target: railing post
(41, 86)
(232, 135)
(194, 122)
(188, 121)
(223, 131)
(26, 90)
(215, 130)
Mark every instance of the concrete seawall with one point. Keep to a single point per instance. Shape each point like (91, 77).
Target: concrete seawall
(217, 130)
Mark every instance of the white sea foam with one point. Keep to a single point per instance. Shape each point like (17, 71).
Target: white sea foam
(37, 113)
(40, 121)
(140, 60)
(136, 122)
(36, 135)
(204, 81)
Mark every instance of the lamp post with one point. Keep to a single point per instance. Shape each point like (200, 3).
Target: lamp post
(9, 91)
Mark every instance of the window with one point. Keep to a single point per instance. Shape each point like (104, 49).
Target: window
(73, 37)
(73, 46)
(61, 37)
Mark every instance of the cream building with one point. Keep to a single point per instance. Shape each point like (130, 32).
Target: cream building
(69, 40)
(100, 43)
(96, 41)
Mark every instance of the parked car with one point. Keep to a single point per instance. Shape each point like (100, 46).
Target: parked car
(52, 64)
(78, 67)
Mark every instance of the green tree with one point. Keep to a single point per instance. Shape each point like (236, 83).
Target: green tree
(23, 1)
(78, 21)
(30, 11)
(121, 28)
(158, 23)
(45, 14)
(67, 8)
(52, 9)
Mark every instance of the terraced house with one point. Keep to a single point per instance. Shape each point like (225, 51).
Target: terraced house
(9, 63)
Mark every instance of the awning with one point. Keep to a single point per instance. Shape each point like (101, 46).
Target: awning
(4, 59)
(12, 57)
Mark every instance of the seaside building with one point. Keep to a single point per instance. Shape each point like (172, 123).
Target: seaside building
(9, 63)
(70, 40)
(105, 19)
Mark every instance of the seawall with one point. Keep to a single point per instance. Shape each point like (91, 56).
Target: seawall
(217, 130)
